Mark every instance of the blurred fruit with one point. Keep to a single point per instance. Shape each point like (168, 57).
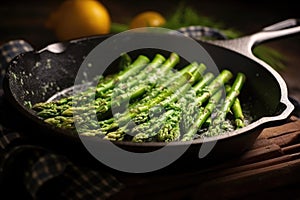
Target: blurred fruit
(79, 18)
(148, 19)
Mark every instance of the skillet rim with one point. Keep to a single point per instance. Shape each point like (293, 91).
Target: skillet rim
(258, 124)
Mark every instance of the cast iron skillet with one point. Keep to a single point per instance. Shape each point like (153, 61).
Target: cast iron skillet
(30, 77)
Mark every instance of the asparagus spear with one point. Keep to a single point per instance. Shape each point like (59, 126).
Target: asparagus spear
(125, 61)
(188, 103)
(133, 69)
(207, 77)
(218, 123)
(237, 111)
(238, 114)
(202, 116)
(157, 126)
(214, 86)
(143, 75)
(171, 129)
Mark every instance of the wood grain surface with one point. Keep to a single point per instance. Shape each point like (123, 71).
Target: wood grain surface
(269, 166)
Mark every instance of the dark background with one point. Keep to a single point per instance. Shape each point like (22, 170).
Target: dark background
(25, 20)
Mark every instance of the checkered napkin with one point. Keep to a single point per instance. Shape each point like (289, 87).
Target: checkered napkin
(28, 171)
(202, 32)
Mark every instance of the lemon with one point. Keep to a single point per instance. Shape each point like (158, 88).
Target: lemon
(79, 18)
(147, 19)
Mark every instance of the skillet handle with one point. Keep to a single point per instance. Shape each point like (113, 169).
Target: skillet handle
(278, 30)
(289, 23)
(244, 45)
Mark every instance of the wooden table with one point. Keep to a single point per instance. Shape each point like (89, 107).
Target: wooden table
(268, 170)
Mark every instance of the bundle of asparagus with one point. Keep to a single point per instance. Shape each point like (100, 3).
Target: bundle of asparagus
(149, 101)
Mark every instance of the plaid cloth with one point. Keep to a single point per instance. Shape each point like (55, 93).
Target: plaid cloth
(201, 32)
(29, 171)
(8, 51)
